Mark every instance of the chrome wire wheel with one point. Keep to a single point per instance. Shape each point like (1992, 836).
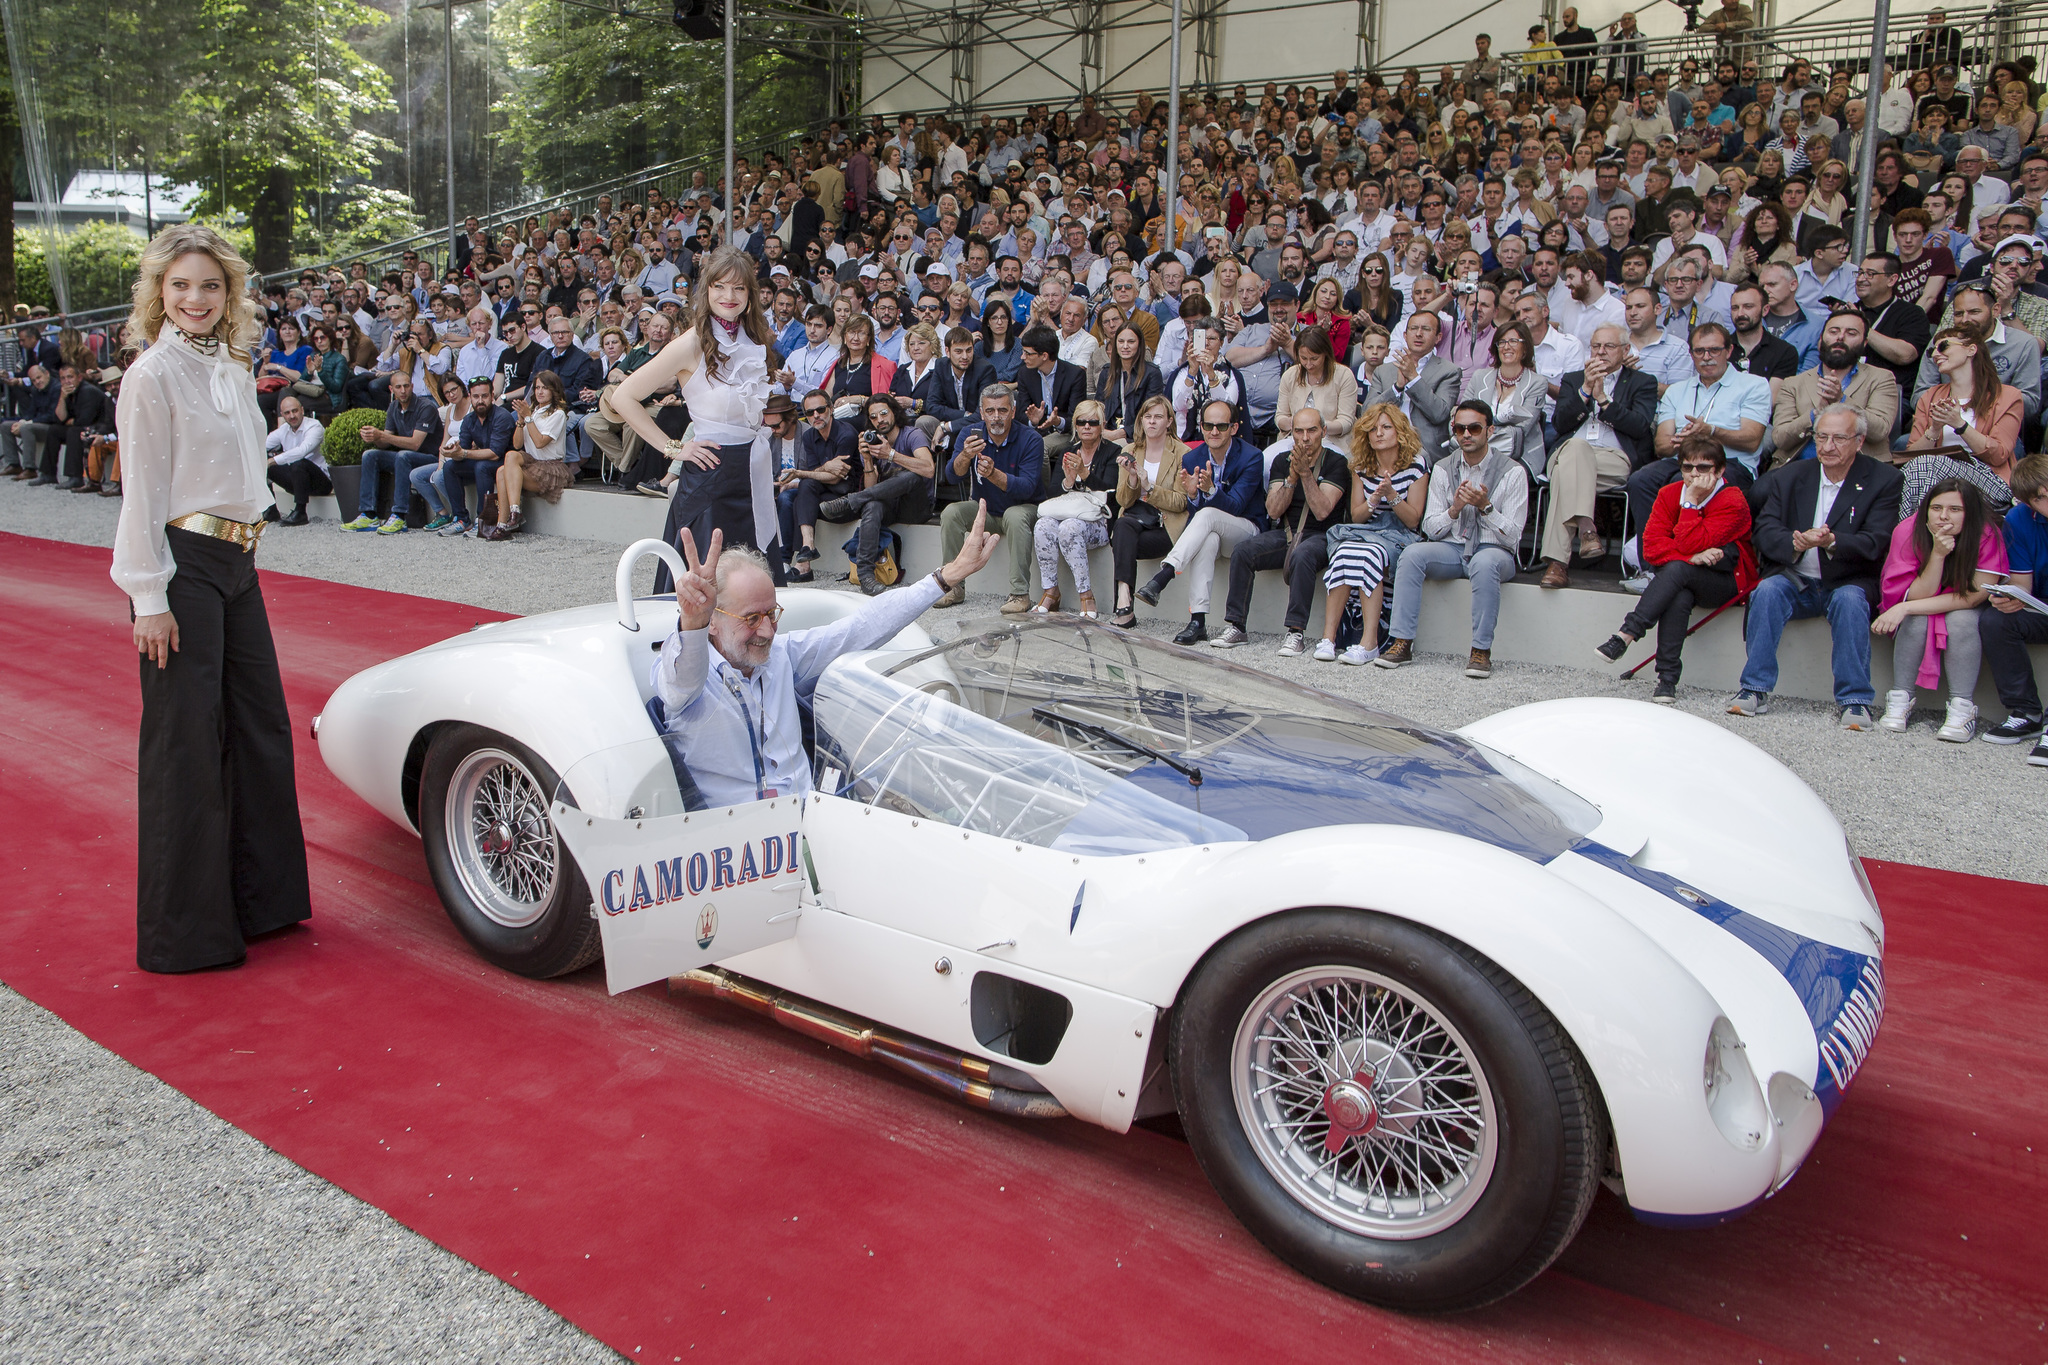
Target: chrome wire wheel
(1364, 1103)
(505, 851)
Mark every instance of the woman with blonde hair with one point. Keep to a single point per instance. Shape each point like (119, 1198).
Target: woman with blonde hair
(222, 856)
(1389, 485)
(724, 481)
(1075, 519)
(1153, 505)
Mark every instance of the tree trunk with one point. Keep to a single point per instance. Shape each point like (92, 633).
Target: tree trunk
(270, 218)
(10, 137)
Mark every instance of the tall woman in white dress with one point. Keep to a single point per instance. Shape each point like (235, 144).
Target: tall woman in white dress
(222, 857)
(724, 482)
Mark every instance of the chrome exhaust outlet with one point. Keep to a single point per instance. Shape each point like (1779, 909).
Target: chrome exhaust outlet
(981, 1083)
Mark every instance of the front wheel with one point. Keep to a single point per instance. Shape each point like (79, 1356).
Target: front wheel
(1385, 1109)
(502, 871)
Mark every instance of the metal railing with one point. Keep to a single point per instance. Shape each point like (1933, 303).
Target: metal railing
(1989, 35)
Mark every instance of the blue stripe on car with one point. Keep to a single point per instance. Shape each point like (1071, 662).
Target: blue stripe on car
(1841, 991)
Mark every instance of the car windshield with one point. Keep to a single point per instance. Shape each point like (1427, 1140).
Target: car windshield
(1048, 720)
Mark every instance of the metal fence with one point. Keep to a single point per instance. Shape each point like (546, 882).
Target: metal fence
(1989, 35)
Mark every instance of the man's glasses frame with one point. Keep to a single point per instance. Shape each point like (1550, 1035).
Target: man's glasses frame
(752, 620)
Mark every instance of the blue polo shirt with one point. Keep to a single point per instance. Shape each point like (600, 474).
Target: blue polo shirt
(494, 434)
(2026, 544)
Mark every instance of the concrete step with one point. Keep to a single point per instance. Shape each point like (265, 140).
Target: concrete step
(1557, 627)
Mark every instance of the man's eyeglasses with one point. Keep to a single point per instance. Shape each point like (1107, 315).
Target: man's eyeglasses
(816, 412)
(752, 620)
(1215, 426)
(1467, 428)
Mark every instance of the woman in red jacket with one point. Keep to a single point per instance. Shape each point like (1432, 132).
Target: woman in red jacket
(1696, 541)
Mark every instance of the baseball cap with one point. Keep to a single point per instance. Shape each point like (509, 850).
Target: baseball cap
(2031, 243)
(870, 271)
(938, 268)
(1281, 291)
(1717, 188)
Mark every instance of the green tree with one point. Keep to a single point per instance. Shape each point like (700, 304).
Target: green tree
(274, 111)
(604, 97)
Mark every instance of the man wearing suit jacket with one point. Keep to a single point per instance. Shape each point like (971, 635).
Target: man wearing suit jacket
(1844, 375)
(1425, 389)
(1821, 538)
(1606, 419)
(1048, 390)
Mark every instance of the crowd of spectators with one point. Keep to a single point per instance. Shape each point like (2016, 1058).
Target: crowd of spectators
(1541, 308)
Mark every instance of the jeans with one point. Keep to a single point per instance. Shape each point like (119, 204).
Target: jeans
(903, 496)
(1490, 567)
(1791, 597)
(1268, 550)
(2005, 637)
(456, 475)
(1667, 605)
(368, 391)
(427, 490)
(576, 439)
(379, 460)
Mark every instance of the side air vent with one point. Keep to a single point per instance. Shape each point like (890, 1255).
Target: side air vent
(1017, 1019)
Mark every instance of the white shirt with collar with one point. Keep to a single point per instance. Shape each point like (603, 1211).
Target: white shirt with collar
(1557, 355)
(1808, 565)
(289, 446)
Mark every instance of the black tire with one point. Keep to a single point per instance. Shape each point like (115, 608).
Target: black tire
(525, 907)
(1515, 1210)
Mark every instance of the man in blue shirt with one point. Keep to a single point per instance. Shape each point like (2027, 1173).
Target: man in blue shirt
(1226, 495)
(485, 436)
(999, 459)
(2006, 626)
(732, 685)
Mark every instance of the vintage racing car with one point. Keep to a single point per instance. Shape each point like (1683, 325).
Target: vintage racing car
(1413, 994)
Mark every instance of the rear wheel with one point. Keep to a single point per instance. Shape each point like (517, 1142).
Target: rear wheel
(502, 872)
(1385, 1109)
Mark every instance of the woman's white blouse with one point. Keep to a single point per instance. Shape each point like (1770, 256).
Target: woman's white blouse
(551, 424)
(191, 441)
(725, 409)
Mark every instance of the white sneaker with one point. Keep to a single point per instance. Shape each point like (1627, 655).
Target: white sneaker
(1898, 709)
(1326, 651)
(1292, 644)
(1636, 583)
(1960, 727)
(1358, 656)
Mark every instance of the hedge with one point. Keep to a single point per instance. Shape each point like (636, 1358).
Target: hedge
(344, 442)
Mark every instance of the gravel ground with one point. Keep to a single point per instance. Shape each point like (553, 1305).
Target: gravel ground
(86, 1140)
(135, 1225)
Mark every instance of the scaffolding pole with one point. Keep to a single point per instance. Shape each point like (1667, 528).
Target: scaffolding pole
(732, 189)
(1866, 160)
(1171, 233)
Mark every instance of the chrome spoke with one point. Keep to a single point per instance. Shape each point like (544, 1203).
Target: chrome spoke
(1426, 1147)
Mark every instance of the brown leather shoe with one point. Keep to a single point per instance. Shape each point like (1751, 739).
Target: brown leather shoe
(1397, 654)
(1557, 576)
(1480, 665)
(953, 597)
(1016, 605)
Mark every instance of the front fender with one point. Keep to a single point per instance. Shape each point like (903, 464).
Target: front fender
(1640, 1019)
(565, 700)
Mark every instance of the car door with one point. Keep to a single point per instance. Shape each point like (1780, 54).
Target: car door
(676, 884)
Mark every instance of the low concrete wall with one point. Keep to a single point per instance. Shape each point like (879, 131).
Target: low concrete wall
(1558, 627)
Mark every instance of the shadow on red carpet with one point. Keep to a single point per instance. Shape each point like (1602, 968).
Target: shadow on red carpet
(675, 1178)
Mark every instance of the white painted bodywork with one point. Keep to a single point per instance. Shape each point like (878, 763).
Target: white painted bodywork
(1636, 978)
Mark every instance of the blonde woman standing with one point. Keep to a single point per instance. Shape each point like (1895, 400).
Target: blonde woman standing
(221, 855)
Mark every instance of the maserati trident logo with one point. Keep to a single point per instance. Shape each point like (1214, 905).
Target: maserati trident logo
(707, 925)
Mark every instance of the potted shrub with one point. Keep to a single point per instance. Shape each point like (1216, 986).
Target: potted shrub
(343, 447)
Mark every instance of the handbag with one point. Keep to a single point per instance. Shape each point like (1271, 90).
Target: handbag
(271, 383)
(888, 563)
(1080, 504)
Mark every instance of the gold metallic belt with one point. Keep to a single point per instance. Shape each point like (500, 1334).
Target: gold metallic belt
(242, 533)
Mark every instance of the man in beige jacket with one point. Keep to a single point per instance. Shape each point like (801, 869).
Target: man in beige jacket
(1839, 378)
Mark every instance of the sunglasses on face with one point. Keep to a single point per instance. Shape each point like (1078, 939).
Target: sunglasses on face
(1696, 469)
(816, 412)
(1466, 429)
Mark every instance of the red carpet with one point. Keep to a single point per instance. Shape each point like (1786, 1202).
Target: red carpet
(672, 1177)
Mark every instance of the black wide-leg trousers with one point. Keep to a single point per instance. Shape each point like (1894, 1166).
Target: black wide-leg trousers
(222, 856)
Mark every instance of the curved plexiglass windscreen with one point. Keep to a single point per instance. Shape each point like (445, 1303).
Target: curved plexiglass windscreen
(1070, 731)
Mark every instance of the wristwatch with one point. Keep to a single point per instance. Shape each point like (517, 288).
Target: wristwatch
(939, 577)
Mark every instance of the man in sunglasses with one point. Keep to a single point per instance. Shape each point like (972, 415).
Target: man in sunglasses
(732, 685)
(516, 363)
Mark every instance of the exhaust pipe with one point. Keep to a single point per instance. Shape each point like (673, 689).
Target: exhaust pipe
(983, 1084)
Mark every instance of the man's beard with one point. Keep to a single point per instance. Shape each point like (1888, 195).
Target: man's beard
(1837, 357)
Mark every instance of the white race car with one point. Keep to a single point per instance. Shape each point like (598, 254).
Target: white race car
(1413, 994)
